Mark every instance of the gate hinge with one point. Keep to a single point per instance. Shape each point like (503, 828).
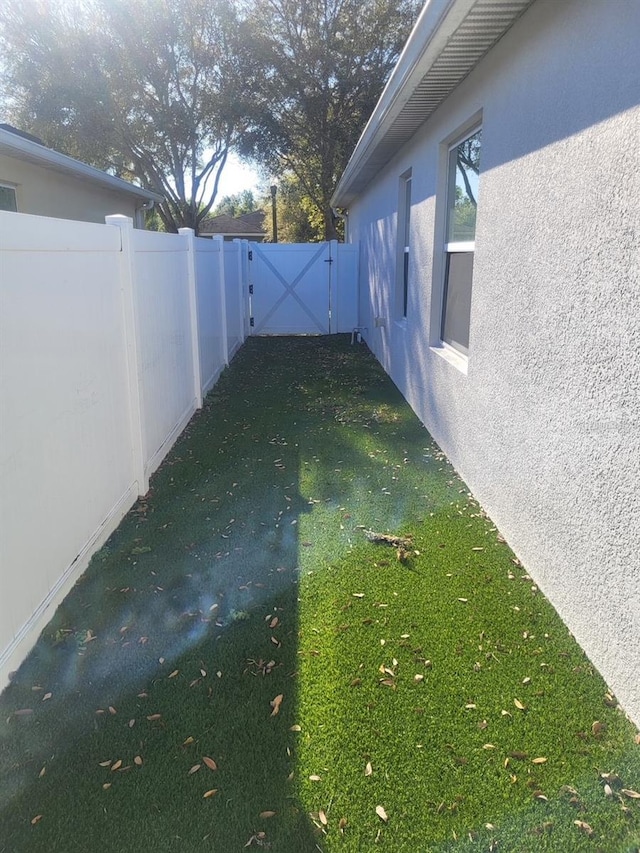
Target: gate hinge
(251, 323)
(251, 289)
(250, 255)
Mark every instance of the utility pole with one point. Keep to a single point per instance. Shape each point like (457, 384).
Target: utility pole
(274, 215)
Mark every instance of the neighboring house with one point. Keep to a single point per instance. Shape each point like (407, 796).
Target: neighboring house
(515, 334)
(249, 226)
(36, 179)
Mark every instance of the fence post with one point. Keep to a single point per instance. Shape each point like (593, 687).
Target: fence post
(334, 320)
(239, 244)
(223, 300)
(248, 302)
(192, 282)
(127, 288)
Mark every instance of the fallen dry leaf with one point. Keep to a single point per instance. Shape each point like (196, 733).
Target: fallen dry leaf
(36, 819)
(194, 769)
(368, 770)
(323, 818)
(132, 723)
(418, 678)
(138, 760)
(188, 741)
(112, 710)
(267, 814)
(581, 824)
(210, 793)
(23, 712)
(154, 717)
(633, 795)
(540, 760)
(597, 728)
(275, 704)
(47, 696)
(106, 763)
(342, 823)
(42, 772)
(637, 738)
(519, 705)
(382, 813)
(314, 778)
(106, 786)
(117, 765)
(274, 622)
(209, 762)
(295, 728)
(173, 674)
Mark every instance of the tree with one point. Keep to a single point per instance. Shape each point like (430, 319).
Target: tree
(318, 68)
(148, 91)
(299, 220)
(237, 204)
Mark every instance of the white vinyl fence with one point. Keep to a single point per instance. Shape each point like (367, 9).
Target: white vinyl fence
(109, 337)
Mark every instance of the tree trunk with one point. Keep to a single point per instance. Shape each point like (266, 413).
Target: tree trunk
(330, 229)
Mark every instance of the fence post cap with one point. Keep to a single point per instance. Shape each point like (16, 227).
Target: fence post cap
(120, 220)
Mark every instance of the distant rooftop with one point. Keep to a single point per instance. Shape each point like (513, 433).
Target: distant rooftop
(248, 226)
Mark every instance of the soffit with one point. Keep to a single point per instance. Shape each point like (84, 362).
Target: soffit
(448, 41)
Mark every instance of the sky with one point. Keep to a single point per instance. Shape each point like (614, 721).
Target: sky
(238, 176)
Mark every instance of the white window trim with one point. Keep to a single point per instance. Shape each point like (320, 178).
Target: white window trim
(452, 248)
(13, 187)
(452, 354)
(401, 301)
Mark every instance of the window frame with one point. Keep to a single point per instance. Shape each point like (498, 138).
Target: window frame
(458, 351)
(403, 245)
(7, 186)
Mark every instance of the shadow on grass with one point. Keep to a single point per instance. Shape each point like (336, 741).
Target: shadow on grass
(173, 646)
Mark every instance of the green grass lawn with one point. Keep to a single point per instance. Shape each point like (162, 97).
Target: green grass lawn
(240, 666)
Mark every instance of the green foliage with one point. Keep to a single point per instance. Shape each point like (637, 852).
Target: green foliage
(147, 90)
(317, 71)
(299, 220)
(237, 204)
(245, 575)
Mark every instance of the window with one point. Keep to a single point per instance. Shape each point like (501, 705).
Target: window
(404, 223)
(8, 198)
(463, 172)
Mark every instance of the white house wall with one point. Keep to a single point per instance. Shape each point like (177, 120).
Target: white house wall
(44, 192)
(545, 424)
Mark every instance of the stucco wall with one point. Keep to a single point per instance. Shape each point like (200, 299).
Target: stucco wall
(545, 424)
(43, 192)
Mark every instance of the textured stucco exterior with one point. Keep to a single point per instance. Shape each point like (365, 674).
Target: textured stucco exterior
(44, 192)
(543, 422)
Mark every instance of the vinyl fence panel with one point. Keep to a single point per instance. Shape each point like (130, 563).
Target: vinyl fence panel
(164, 339)
(211, 316)
(65, 447)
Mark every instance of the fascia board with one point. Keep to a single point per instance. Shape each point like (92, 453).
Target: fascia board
(25, 149)
(437, 22)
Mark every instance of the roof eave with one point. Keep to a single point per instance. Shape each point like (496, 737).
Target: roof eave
(24, 149)
(477, 25)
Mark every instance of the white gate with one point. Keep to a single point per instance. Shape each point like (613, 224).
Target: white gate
(303, 288)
